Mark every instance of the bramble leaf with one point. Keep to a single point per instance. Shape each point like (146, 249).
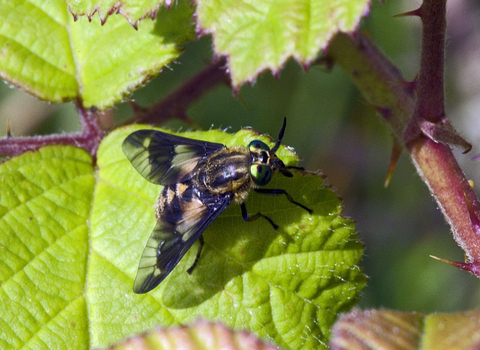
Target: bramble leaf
(259, 35)
(45, 202)
(70, 238)
(48, 54)
(286, 286)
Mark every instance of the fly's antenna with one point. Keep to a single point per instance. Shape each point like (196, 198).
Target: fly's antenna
(280, 137)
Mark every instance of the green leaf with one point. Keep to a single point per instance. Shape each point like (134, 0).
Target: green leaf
(389, 329)
(285, 286)
(259, 35)
(47, 53)
(71, 242)
(45, 201)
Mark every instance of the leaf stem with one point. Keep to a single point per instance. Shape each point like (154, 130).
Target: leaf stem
(175, 104)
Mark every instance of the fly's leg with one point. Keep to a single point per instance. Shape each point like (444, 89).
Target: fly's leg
(248, 217)
(279, 191)
(199, 251)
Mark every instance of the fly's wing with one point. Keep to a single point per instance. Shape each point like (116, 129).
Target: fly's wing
(166, 159)
(180, 224)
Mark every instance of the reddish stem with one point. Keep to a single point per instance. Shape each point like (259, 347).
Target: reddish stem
(428, 133)
(175, 104)
(89, 138)
(433, 159)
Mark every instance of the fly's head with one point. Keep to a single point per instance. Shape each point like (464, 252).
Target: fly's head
(264, 161)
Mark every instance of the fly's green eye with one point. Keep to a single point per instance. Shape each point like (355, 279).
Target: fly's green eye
(256, 145)
(261, 174)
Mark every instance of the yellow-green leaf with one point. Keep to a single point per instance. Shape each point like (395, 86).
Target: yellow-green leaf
(259, 35)
(45, 52)
(71, 240)
(45, 202)
(286, 286)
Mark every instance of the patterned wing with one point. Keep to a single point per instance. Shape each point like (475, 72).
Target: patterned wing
(182, 220)
(166, 159)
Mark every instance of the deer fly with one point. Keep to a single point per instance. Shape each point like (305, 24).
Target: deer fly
(200, 180)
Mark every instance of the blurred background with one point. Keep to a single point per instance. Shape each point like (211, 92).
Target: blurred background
(333, 129)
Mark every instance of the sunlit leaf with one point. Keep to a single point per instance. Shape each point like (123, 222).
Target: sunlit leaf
(259, 35)
(45, 52)
(45, 201)
(286, 286)
(71, 240)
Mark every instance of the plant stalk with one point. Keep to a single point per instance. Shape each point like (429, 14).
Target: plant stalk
(415, 113)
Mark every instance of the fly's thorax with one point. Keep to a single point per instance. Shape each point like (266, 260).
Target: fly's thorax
(227, 170)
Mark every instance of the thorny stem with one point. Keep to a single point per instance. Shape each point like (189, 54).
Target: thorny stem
(434, 160)
(89, 138)
(384, 87)
(175, 104)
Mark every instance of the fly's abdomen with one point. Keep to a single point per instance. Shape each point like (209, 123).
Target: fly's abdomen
(225, 171)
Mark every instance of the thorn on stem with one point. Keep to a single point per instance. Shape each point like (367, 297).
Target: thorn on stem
(410, 85)
(396, 152)
(136, 108)
(444, 133)
(418, 12)
(183, 117)
(472, 267)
